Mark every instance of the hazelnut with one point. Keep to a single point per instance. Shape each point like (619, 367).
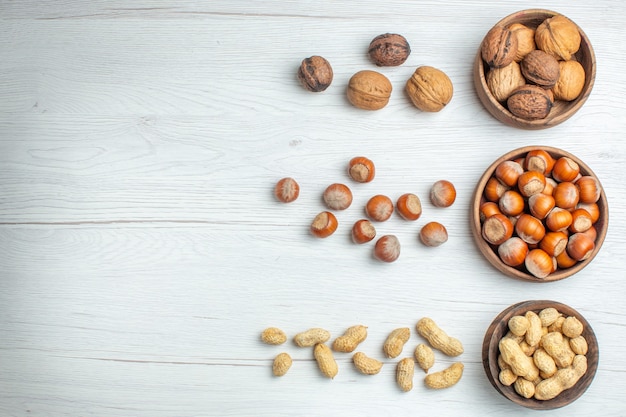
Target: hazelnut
(369, 90)
(571, 81)
(502, 81)
(429, 89)
(540, 68)
(558, 36)
(530, 102)
(315, 73)
(287, 190)
(499, 47)
(387, 248)
(389, 50)
(525, 40)
(433, 234)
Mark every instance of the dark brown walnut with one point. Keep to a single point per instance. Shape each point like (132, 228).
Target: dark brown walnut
(530, 102)
(315, 73)
(389, 50)
(499, 47)
(540, 68)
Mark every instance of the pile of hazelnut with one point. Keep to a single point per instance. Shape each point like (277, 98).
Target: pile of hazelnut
(528, 69)
(539, 213)
(429, 89)
(378, 208)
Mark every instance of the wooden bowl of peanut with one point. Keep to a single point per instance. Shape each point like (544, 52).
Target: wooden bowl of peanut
(540, 354)
(539, 214)
(552, 55)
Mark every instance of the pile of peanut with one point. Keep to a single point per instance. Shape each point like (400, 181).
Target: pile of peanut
(392, 348)
(543, 354)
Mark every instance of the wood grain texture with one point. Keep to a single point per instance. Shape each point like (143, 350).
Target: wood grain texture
(142, 251)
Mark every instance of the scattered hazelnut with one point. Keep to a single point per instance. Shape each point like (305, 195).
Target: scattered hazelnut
(442, 193)
(369, 90)
(530, 102)
(389, 49)
(361, 169)
(499, 47)
(324, 224)
(363, 231)
(387, 248)
(540, 68)
(433, 234)
(429, 89)
(315, 73)
(379, 208)
(287, 190)
(558, 36)
(571, 81)
(337, 197)
(409, 206)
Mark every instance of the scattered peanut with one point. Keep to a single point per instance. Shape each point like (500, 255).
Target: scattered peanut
(350, 339)
(564, 378)
(282, 363)
(273, 336)
(325, 360)
(365, 364)
(311, 337)
(395, 342)
(437, 338)
(446, 378)
(404, 374)
(424, 356)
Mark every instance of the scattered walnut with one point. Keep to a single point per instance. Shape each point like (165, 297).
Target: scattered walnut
(389, 50)
(429, 89)
(369, 90)
(315, 73)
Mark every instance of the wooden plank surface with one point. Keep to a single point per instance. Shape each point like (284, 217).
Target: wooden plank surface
(142, 251)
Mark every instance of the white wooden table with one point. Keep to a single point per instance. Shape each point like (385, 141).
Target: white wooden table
(142, 251)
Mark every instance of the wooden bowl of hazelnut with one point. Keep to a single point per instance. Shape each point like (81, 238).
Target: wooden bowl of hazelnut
(540, 354)
(539, 214)
(534, 69)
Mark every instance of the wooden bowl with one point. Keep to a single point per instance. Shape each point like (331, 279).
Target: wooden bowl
(490, 352)
(491, 252)
(562, 110)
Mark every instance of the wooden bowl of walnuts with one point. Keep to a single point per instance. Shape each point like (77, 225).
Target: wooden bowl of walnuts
(534, 69)
(540, 354)
(539, 214)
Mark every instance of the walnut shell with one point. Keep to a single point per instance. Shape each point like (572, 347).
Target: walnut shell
(558, 36)
(389, 50)
(369, 90)
(315, 73)
(540, 68)
(429, 89)
(525, 40)
(530, 102)
(571, 81)
(499, 47)
(503, 81)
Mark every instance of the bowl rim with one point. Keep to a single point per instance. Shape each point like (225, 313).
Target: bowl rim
(490, 355)
(500, 112)
(488, 251)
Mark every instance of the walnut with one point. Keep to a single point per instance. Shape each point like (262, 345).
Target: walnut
(540, 68)
(525, 40)
(530, 102)
(429, 89)
(571, 81)
(499, 47)
(502, 81)
(389, 50)
(315, 73)
(369, 90)
(559, 37)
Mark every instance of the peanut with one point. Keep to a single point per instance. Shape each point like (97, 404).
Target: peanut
(424, 356)
(548, 316)
(282, 363)
(527, 349)
(558, 348)
(507, 377)
(404, 374)
(564, 378)
(534, 332)
(311, 337)
(437, 338)
(544, 362)
(557, 325)
(325, 360)
(518, 325)
(395, 342)
(273, 336)
(446, 378)
(579, 345)
(572, 327)
(524, 387)
(520, 364)
(350, 339)
(365, 364)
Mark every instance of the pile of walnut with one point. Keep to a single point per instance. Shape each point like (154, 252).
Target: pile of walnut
(429, 89)
(393, 346)
(543, 354)
(531, 68)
